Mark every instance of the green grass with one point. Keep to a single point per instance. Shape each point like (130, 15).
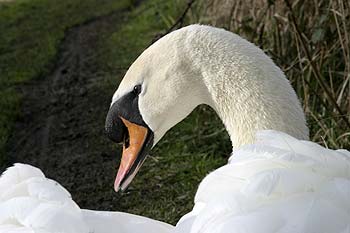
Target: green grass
(31, 31)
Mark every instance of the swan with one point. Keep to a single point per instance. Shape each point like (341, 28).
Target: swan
(199, 65)
(275, 180)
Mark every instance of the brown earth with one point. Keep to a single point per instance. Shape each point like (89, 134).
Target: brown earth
(61, 129)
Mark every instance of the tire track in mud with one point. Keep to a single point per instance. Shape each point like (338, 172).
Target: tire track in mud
(61, 129)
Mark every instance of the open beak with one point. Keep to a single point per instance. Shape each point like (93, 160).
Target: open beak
(136, 143)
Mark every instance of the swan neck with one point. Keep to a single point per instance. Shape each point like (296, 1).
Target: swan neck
(245, 88)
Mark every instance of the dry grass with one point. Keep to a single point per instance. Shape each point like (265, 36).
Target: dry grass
(310, 41)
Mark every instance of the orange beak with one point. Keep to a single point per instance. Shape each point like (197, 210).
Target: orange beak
(132, 147)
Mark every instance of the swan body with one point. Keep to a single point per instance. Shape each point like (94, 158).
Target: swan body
(29, 202)
(275, 180)
(279, 184)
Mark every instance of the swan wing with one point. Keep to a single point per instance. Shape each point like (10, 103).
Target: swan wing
(280, 184)
(31, 203)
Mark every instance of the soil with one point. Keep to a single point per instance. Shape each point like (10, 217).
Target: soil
(61, 129)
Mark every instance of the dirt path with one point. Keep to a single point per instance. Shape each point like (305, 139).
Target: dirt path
(61, 130)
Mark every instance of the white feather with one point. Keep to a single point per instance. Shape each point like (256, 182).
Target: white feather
(31, 203)
(280, 184)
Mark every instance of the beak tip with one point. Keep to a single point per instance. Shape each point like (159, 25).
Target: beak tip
(116, 188)
(117, 185)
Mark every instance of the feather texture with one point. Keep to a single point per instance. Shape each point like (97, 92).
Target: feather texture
(279, 184)
(29, 202)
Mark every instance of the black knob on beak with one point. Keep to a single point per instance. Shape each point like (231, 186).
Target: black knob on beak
(114, 127)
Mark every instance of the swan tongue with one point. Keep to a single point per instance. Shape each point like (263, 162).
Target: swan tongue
(131, 149)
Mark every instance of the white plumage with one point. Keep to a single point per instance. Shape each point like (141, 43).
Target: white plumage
(29, 202)
(280, 184)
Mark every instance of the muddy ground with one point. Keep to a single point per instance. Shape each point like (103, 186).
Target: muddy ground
(61, 129)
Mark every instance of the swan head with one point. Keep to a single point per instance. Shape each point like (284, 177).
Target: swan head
(182, 70)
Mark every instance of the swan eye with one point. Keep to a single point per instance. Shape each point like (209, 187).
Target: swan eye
(137, 89)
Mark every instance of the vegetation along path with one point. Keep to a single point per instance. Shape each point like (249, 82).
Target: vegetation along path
(62, 119)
